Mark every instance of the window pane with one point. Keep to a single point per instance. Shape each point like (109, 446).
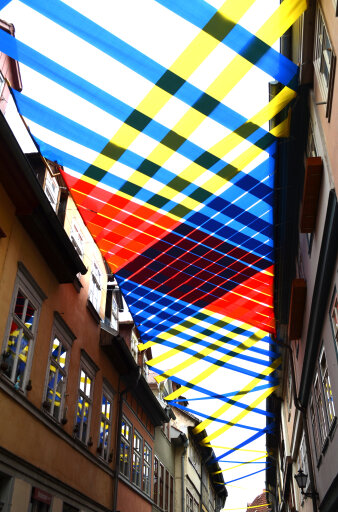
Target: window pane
(20, 305)
(30, 313)
(12, 347)
(83, 381)
(22, 360)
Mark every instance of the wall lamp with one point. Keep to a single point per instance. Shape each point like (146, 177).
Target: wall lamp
(301, 479)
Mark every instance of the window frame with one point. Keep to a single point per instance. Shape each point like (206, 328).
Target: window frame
(109, 394)
(77, 238)
(320, 409)
(126, 442)
(320, 59)
(147, 465)
(95, 286)
(327, 390)
(33, 294)
(89, 370)
(60, 331)
(137, 455)
(334, 308)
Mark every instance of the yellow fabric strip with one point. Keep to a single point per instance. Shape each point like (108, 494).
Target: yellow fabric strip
(209, 445)
(237, 418)
(203, 353)
(238, 465)
(244, 508)
(202, 376)
(237, 397)
(195, 53)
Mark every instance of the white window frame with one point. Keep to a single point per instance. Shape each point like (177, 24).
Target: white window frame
(77, 238)
(89, 371)
(327, 389)
(33, 294)
(334, 318)
(324, 60)
(125, 447)
(60, 332)
(136, 476)
(146, 471)
(315, 428)
(52, 189)
(303, 460)
(95, 287)
(106, 420)
(320, 407)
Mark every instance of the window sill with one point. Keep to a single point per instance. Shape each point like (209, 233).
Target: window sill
(93, 312)
(125, 480)
(45, 418)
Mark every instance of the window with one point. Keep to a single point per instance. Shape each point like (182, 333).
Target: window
(328, 398)
(189, 502)
(133, 345)
(95, 287)
(137, 461)
(315, 428)
(161, 486)
(84, 403)
(125, 447)
(2, 82)
(62, 339)
(103, 448)
(22, 328)
(171, 493)
(320, 410)
(302, 460)
(334, 318)
(156, 480)
(324, 61)
(52, 190)
(146, 483)
(77, 239)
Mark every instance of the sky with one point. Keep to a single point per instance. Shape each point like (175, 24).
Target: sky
(161, 35)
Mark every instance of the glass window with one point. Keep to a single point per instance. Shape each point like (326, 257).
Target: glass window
(77, 239)
(156, 480)
(323, 53)
(84, 405)
(137, 461)
(302, 460)
(22, 328)
(126, 432)
(161, 486)
(52, 190)
(189, 502)
(57, 378)
(315, 429)
(171, 492)
(146, 483)
(103, 448)
(320, 410)
(328, 397)
(334, 318)
(95, 287)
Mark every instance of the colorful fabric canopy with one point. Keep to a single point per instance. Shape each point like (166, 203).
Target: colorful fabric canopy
(172, 178)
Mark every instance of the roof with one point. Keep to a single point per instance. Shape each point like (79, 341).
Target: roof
(259, 501)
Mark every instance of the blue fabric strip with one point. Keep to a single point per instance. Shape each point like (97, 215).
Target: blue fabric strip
(246, 476)
(240, 40)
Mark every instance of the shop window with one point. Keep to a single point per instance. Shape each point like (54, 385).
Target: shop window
(40, 500)
(137, 459)
(324, 61)
(328, 397)
(22, 328)
(334, 318)
(95, 287)
(146, 483)
(103, 448)
(84, 402)
(126, 432)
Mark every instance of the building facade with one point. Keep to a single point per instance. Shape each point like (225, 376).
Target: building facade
(78, 418)
(306, 440)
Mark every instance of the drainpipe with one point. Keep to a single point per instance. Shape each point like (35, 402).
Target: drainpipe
(300, 407)
(134, 381)
(185, 441)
